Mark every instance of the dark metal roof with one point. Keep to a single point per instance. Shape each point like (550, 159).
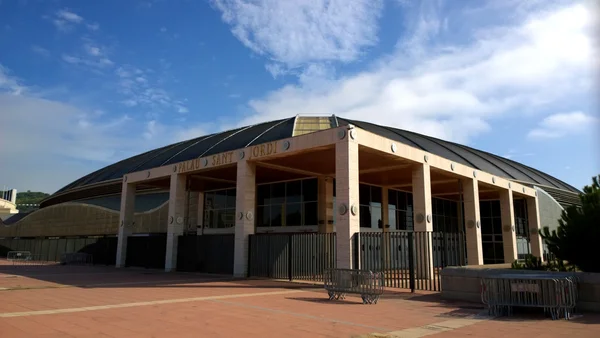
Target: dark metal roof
(477, 159)
(280, 129)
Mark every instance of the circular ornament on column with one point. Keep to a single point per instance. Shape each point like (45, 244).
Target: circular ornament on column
(240, 215)
(493, 180)
(535, 193)
(179, 220)
(420, 218)
(452, 166)
(286, 145)
(478, 225)
(174, 168)
(341, 134)
(470, 224)
(250, 215)
(354, 210)
(170, 219)
(425, 158)
(523, 189)
(242, 154)
(428, 218)
(509, 185)
(393, 147)
(342, 209)
(353, 134)
(205, 162)
(125, 178)
(148, 174)
(121, 223)
(512, 228)
(474, 173)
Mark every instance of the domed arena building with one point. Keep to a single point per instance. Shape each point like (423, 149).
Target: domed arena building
(321, 191)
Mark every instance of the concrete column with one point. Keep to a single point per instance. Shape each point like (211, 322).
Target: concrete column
(176, 219)
(13, 196)
(472, 222)
(245, 202)
(423, 221)
(200, 217)
(509, 236)
(325, 204)
(533, 218)
(348, 210)
(126, 220)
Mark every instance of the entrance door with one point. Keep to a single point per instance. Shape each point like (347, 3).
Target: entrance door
(491, 232)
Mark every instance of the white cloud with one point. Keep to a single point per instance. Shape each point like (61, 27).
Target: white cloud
(564, 124)
(454, 90)
(65, 19)
(295, 33)
(40, 50)
(92, 50)
(9, 83)
(94, 63)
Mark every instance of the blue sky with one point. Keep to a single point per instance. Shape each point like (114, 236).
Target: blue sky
(86, 83)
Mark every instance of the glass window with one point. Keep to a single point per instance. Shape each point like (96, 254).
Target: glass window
(263, 216)
(310, 214)
(365, 216)
(375, 194)
(263, 194)
(292, 203)
(293, 192)
(231, 195)
(277, 193)
(219, 209)
(220, 199)
(364, 192)
(310, 190)
(392, 198)
(276, 215)
(293, 214)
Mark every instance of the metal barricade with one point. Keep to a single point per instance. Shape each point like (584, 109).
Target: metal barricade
(18, 256)
(556, 294)
(369, 285)
(76, 258)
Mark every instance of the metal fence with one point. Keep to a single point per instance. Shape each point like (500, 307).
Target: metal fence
(206, 253)
(294, 256)
(404, 256)
(102, 249)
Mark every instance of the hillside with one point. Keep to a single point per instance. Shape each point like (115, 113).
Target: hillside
(28, 197)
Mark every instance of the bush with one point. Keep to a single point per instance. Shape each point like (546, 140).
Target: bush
(578, 233)
(535, 263)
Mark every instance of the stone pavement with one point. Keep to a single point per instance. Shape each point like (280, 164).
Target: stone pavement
(60, 301)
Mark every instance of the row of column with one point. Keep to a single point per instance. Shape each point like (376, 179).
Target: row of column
(347, 213)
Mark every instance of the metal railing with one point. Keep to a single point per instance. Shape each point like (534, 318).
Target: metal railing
(25, 258)
(369, 285)
(555, 293)
(294, 256)
(410, 260)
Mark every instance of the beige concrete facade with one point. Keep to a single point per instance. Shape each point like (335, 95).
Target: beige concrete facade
(348, 145)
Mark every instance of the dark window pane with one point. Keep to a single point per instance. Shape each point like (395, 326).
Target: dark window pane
(364, 194)
(485, 209)
(209, 201)
(277, 193)
(376, 194)
(488, 251)
(486, 226)
(401, 220)
(393, 198)
(293, 214)
(495, 208)
(376, 218)
(293, 192)
(263, 194)
(499, 252)
(263, 216)
(276, 215)
(454, 209)
(220, 199)
(365, 217)
(409, 201)
(209, 219)
(311, 213)
(334, 187)
(310, 190)
(231, 198)
(438, 223)
(401, 204)
(497, 224)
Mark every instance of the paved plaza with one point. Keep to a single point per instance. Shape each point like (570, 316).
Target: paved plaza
(61, 301)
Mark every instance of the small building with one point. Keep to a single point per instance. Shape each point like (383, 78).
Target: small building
(212, 203)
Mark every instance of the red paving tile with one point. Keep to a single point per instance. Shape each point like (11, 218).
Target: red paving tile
(236, 310)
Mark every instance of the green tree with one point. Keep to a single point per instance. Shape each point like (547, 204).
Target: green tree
(577, 237)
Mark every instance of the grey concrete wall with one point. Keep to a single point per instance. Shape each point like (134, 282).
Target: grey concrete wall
(550, 210)
(464, 283)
